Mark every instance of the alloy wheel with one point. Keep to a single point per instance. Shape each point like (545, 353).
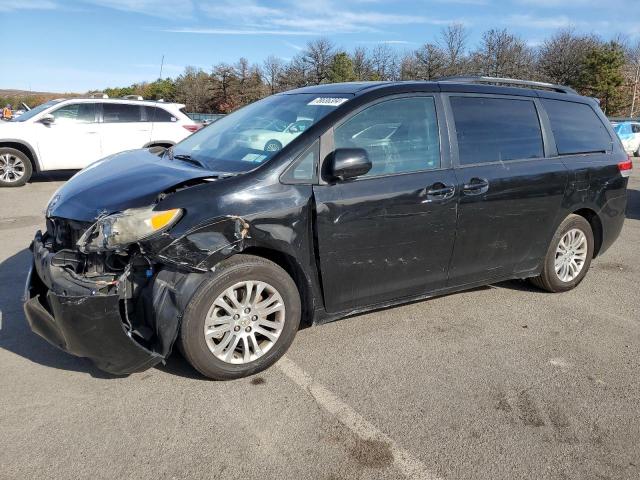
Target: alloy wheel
(571, 254)
(12, 168)
(244, 322)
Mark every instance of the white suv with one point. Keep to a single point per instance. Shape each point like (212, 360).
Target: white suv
(72, 133)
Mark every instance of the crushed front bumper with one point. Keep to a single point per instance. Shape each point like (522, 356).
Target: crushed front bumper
(79, 318)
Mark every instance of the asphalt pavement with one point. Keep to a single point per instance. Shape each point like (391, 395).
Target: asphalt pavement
(503, 382)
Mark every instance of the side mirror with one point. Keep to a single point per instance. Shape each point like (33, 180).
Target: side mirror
(47, 119)
(345, 163)
(157, 150)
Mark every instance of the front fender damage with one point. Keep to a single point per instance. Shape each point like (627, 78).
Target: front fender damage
(121, 310)
(204, 246)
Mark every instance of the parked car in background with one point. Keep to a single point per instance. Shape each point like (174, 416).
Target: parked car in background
(72, 133)
(629, 134)
(272, 136)
(394, 192)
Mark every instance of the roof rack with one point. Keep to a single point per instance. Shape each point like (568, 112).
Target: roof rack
(132, 97)
(97, 95)
(509, 81)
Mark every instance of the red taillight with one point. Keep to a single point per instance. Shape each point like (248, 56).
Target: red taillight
(625, 167)
(192, 128)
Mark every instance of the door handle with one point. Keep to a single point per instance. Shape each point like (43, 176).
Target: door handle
(476, 186)
(440, 191)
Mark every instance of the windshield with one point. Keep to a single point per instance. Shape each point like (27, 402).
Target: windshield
(241, 141)
(35, 111)
(622, 128)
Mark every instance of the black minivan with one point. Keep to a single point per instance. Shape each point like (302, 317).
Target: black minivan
(319, 203)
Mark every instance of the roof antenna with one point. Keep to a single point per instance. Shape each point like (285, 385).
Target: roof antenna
(153, 115)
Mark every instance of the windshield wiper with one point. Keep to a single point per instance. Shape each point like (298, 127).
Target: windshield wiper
(187, 158)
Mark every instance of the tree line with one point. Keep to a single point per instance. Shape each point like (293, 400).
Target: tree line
(608, 70)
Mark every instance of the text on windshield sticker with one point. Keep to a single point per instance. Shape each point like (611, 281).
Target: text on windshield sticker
(328, 101)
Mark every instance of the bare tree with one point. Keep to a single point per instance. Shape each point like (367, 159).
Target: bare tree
(272, 69)
(296, 73)
(193, 89)
(318, 56)
(224, 88)
(361, 64)
(561, 58)
(632, 74)
(502, 54)
(430, 62)
(385, 63)
(453, 44)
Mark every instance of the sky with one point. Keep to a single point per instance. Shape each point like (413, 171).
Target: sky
(78, 45)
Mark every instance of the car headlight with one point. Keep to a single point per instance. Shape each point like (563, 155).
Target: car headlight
(123, 228)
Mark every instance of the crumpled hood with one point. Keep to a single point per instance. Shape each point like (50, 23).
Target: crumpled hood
(126, 180)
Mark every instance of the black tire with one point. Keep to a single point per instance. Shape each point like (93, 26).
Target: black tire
(548, 279)
(27, 171)
(272, 146)
(237, 269)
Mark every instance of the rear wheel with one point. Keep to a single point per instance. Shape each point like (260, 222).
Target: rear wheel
(242, 319)
(568, 257)
(15, 168)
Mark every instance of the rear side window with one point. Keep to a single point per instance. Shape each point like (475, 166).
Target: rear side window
(121, 113)
(635, 128)
(496, 129)
(400, 136)
(156, 114)
(576, 128)
(76, 113)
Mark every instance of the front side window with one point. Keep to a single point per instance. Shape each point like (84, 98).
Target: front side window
(121, 113)
(576, 128)
(251, 136)
(76, 113)
(35, 111)
(399, 135)
(496, 129)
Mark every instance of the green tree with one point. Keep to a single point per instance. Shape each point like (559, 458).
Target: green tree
(602, 75)
(160, 89)
(341, 68)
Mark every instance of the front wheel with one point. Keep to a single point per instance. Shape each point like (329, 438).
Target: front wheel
(241, 320)
(568, 257)
(15, 168)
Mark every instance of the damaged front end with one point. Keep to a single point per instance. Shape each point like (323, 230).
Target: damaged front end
(116, 306)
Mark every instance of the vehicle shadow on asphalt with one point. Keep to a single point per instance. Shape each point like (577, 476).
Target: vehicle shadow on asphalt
(15, 334)
(53, 176)
(633, 204)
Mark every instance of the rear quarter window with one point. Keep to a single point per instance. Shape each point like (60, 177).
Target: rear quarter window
(156, 114)
(492, 129)
(576, 128)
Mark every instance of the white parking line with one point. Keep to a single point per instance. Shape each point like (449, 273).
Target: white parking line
(410, 466)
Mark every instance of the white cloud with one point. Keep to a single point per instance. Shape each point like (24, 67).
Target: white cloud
(388, 42)
(317, 16)
(13, 5)
(156, 8)
(560, 3)
(241, 31)
(299, 48)
(531, 21)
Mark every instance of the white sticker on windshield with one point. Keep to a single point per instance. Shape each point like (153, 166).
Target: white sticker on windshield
(328, 101)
